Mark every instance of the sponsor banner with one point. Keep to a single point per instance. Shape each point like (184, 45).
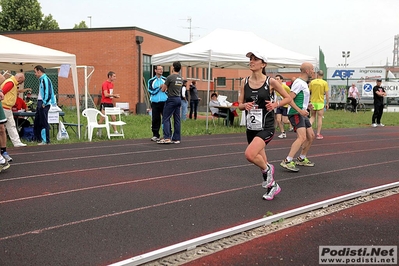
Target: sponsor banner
(340, 79)
(391, 88)
(360, 74)
(358, 255)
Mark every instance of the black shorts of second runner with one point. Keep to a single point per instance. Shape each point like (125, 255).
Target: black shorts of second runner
(298, 121)
(103, 105)
(266, 134)
(281, 110)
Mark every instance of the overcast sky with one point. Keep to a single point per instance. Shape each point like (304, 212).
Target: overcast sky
(366, 28)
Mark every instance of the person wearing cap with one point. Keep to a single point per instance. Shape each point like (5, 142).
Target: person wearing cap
(378, 95)
(318, 90)
(298, 116)
(353, 96)
(256, 97)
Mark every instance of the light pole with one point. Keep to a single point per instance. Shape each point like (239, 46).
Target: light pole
(90, 20)
(346, 55)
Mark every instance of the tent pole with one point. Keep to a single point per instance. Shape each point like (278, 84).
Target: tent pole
(76, 89)
(207, 94)
(85, 70)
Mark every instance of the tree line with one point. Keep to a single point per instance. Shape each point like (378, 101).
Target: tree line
(26, 15)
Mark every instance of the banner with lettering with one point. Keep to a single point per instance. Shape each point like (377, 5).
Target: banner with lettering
(391, 88)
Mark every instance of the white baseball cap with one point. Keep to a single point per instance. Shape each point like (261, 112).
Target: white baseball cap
(257, 55)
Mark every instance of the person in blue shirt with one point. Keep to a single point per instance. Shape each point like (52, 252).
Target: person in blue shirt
(158, 99)
(45, 99)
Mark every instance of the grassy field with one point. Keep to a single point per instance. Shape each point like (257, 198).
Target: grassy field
(139, 126)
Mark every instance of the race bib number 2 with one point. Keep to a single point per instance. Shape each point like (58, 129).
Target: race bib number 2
(254, 119)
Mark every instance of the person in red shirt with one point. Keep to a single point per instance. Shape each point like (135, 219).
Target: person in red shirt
(107, 95)
(19, 120)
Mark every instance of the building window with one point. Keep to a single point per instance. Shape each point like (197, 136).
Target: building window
(205, 74)
(192, 72)
(221, 81)
(147, 73)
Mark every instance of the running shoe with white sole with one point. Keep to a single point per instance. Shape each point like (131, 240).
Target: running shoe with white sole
(7, 157)
(268, 177)
(304, 162)
(289, 166)
(282, 136)
(155, 139)
(4, 166)
(273, 191)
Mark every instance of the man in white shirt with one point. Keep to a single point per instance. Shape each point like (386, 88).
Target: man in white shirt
(353, 95)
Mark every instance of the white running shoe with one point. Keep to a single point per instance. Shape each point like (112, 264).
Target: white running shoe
(282, 135)
(273, 191)
(268, 177)
(20, 144)
(374, 125)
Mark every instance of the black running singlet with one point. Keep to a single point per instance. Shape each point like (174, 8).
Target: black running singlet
(260, 96)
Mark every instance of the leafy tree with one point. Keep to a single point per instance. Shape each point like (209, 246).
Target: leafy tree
(48, 23)
(22, 15)
(81, 25)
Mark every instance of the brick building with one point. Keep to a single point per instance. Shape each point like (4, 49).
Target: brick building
(118, 49)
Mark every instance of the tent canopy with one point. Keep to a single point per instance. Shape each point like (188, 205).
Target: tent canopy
(227, 49)
(22, 56)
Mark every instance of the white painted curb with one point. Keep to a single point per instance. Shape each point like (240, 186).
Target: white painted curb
(193, 243)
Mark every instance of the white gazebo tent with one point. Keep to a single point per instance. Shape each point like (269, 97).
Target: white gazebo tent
(227, 49)
(20, 56)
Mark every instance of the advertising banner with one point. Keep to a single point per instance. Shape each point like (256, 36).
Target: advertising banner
(340, 79)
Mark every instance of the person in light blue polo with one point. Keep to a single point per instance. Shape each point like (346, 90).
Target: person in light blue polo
(45, 100)
(158, 99)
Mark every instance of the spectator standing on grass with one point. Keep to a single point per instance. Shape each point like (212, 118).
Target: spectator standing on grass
(172, 86)
(318, 90)
(378, 95)
(45, 99)
(298, 116)
(194, 100)
(10, 91)
(107, 96)
(184, 102)
(158, 99)
(256, 97)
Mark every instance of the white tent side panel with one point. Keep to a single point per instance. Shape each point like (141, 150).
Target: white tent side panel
(19, 56)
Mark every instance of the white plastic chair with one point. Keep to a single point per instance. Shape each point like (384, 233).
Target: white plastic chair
(92, 121)
(116, 111)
